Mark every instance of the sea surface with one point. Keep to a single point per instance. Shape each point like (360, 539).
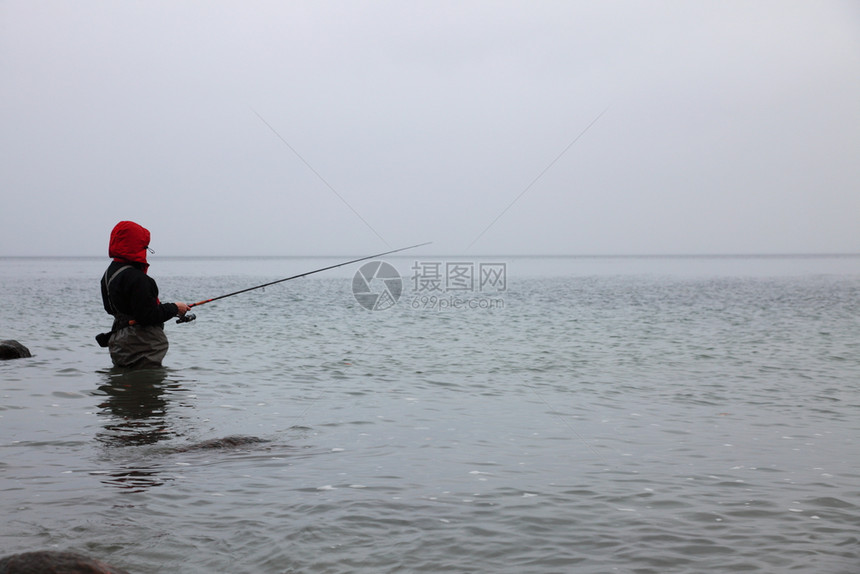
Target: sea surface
(504, 415)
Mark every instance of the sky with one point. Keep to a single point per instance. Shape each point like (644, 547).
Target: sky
(487, 127)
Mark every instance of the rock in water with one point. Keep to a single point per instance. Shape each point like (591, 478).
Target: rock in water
(232, 441)
(11, 349)
(52, 562)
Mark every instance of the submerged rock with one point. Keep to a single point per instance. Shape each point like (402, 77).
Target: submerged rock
(11, 349)
(53, 562)
(231, 441)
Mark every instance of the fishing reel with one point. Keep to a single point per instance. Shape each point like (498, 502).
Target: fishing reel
(187, 318)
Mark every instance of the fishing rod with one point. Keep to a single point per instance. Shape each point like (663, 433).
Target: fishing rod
(203, 302)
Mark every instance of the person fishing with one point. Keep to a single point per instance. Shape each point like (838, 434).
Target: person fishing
(137, 339)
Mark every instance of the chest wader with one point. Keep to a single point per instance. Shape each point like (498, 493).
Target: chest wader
(134, 346)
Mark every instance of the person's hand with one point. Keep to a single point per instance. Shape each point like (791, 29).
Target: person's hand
(183, 308)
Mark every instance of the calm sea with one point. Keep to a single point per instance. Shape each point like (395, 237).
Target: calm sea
(513, 415)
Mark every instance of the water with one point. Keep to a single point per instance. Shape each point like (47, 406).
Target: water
(641, 415)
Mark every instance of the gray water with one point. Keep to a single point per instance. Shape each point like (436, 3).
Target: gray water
(642, 415)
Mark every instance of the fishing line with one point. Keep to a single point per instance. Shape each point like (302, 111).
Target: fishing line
(535, 180)
(321, 178)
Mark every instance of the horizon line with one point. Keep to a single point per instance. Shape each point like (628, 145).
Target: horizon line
(482, 256)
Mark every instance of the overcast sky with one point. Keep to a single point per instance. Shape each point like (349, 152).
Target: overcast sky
(316, 128)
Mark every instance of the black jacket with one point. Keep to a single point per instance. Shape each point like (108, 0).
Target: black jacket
(134, 294)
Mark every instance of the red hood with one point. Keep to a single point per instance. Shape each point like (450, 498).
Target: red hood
(128, 242)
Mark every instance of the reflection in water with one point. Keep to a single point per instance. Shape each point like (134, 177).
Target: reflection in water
(135, 407)
(134, 479)
(135, 412)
